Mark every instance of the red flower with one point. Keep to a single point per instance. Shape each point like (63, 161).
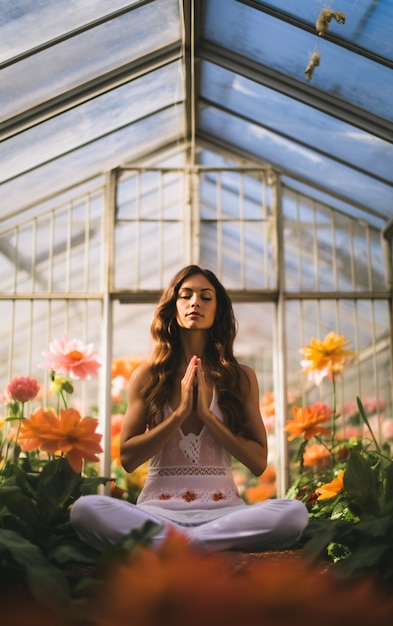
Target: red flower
(23, 389)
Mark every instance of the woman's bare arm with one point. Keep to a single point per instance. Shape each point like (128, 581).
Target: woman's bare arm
(250, 450)
(137, 444)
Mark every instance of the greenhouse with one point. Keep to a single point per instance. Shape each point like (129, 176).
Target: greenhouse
(251, 138)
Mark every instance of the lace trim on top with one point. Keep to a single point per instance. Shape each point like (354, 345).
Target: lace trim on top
(189, 471)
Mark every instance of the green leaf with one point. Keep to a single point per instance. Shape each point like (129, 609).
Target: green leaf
(361, 484)
(18, 503)
(90, 485)
(46, 583)
(365, 420)
(368, 557)
(388, 483)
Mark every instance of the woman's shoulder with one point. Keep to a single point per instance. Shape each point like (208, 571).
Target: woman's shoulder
(138, 376)
(249, 380)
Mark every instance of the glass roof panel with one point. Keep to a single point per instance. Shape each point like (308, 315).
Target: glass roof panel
(126, 144)
(261, 37)
(52, 70)
(27, 17)
(89, 121)
(297, 160)
(368, 23)
(295, 120)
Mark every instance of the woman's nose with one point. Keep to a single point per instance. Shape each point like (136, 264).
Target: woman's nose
(195, 300)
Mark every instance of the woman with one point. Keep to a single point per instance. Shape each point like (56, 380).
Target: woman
(191, 408)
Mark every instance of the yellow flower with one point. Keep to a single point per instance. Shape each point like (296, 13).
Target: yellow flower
(327, 356)
(57, 384)
(330, 490)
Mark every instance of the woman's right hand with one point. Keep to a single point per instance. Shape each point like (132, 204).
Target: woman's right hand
(187, 388)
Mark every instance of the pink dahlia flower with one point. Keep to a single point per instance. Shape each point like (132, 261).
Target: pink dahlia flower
(23, 389)
(72, 358)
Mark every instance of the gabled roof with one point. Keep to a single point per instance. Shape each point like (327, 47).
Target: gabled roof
(86, 87)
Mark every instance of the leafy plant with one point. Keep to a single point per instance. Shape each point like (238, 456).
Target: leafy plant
(350, 495)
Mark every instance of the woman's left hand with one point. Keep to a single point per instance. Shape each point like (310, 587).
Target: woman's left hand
(203, 409)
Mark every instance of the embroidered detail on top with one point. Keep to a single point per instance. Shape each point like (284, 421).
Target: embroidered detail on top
(189, 445)
(218, 496)
(192, 471)
(164, 496)
(189, 496)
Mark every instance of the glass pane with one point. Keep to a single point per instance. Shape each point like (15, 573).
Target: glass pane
(295, 120)
(87, 55)
(282, 47)
(367, 23)
(298, 160)
(327, 251)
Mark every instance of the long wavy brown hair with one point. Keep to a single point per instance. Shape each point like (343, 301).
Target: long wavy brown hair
(223, 367)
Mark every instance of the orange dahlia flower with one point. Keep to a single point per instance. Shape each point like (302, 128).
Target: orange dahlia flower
(307, 421)
(70, 434)
(78, 439)
(330, 490)
(42, 426)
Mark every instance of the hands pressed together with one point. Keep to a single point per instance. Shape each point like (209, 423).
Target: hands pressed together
(194, 391)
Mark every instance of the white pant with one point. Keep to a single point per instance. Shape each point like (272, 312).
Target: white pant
(268, 525)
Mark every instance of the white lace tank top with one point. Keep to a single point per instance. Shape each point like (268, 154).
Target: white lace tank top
(190, 479)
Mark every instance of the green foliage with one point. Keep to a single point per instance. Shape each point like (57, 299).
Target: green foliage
(362, 541)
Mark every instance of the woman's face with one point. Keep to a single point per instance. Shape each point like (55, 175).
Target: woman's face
(196, 303)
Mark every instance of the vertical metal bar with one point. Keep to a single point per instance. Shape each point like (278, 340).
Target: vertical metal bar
(11, 342)
(357, 346)
(50, 250)
(105, 400)
(242, 231)
(315, 246)
(33, 255)
(334, 251)
(16, 259)
(86, 273)
(352, 253)
(219, 222)
(30, 334)
(375, 365)
(266, 223)
(195, 214)
(68, 249)
(299, 244)
(369, 261)
(138, 227)
(161, 231)
(280, 362)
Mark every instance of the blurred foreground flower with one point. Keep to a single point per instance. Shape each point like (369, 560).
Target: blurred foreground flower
(72, 358)
(178, 585)
(23, 389)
